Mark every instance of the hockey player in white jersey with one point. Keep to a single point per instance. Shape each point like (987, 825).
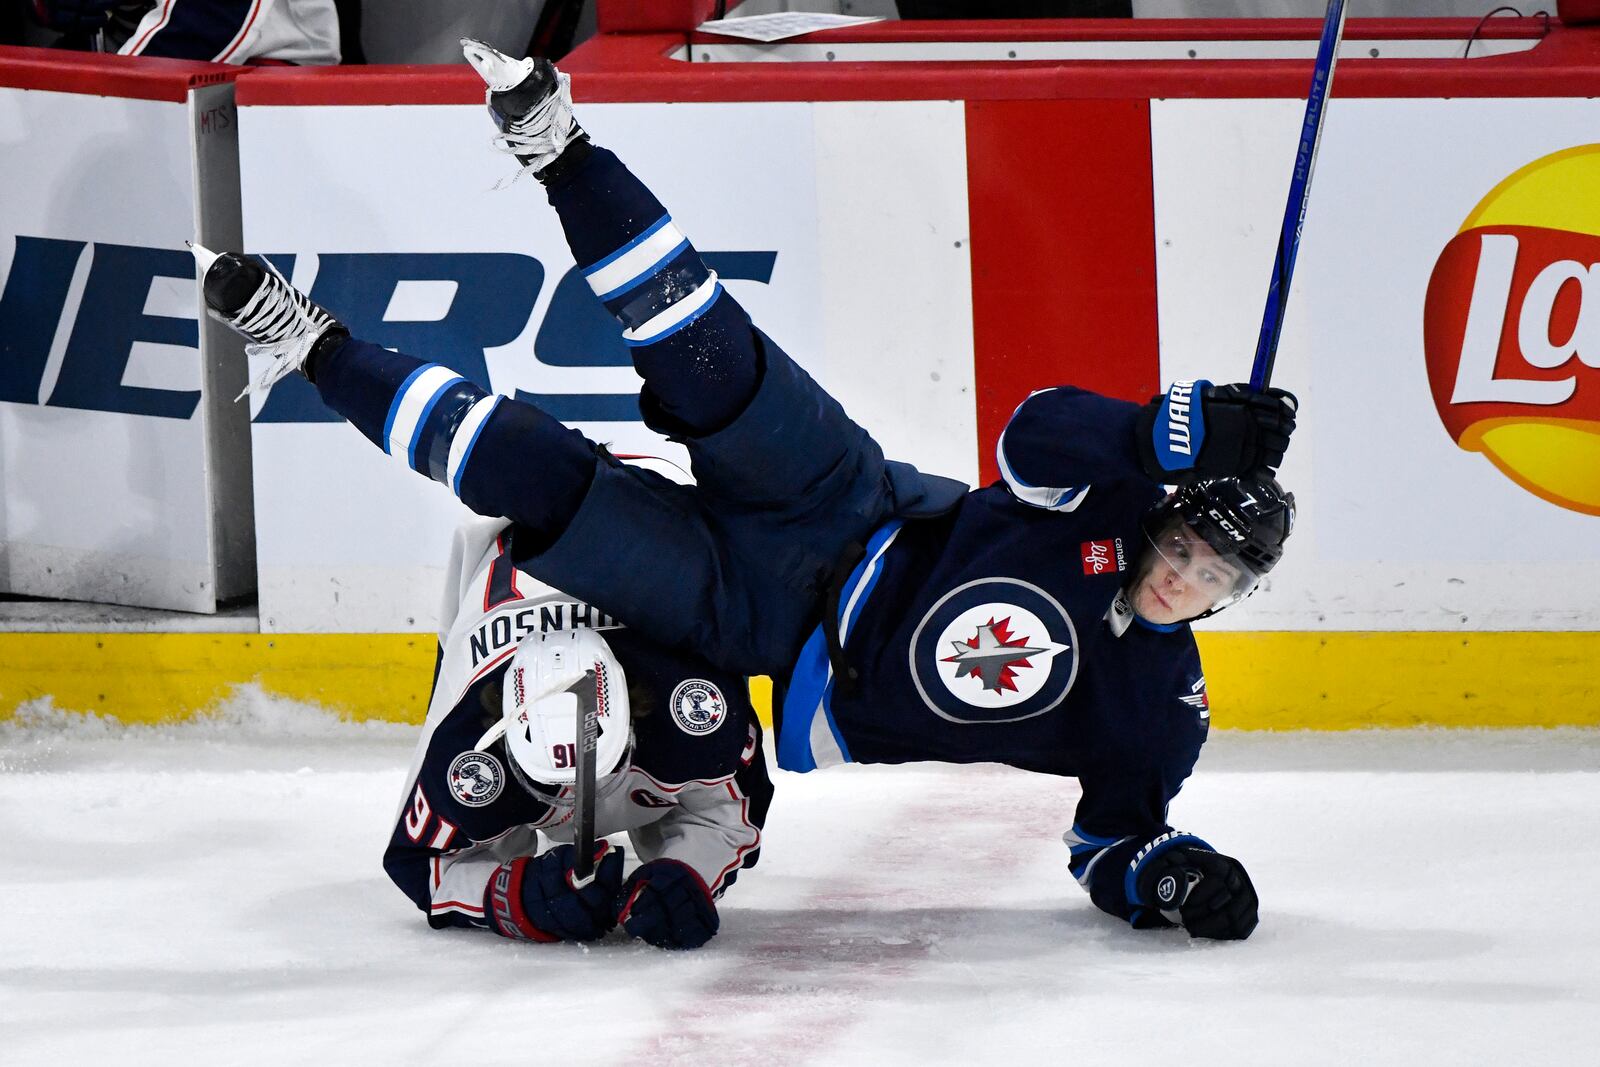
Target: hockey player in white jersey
(483, 834)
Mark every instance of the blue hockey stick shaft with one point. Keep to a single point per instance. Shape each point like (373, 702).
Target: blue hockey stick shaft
(1294, 213)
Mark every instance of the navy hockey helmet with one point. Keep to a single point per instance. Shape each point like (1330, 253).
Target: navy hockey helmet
(1243, 521)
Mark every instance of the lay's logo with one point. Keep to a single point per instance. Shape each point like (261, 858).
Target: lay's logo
(1512, 329)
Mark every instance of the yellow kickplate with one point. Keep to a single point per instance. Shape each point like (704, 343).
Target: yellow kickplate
(1348, 681)
(1256, 680)
(163, 677)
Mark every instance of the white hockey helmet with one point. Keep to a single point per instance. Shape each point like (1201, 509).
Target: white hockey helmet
(549, 678)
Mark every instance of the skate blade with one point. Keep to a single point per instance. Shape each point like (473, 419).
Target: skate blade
(498, 70)
(203, 256)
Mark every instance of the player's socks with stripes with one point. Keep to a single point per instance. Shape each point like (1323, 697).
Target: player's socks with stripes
(690, 340)
(691, 343)
(502, 457)
(280, 322)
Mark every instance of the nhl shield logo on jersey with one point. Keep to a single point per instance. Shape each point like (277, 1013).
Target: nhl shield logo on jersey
(476, 778)
(698, 707)
(994, 650)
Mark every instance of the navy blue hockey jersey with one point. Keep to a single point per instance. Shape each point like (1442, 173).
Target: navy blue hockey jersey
(996, 633)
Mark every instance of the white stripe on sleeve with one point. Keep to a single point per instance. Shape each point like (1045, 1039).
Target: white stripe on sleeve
(410, 407)
(1051, 498)
(636, 261)
(678, 314)
(467, 436)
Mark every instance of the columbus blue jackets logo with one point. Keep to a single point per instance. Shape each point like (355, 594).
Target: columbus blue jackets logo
(476, 778)
(698, 707)
(994, 650)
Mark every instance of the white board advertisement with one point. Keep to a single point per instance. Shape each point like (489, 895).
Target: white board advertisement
(842, 227)
(1443, 335)
(104, 456)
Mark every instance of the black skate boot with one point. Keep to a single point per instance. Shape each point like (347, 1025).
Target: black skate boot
(279, 322)
(531, 102)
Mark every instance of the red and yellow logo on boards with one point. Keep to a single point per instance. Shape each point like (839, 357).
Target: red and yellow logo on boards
(1512, 329)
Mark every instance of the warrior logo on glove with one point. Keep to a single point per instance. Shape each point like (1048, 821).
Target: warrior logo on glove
(1167, 890)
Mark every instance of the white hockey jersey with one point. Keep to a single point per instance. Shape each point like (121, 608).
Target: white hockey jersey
(692, 791)
(236, 31)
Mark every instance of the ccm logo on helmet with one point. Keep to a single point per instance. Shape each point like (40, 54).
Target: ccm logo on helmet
(1227, 527)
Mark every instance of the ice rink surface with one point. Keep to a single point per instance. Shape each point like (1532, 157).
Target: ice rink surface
(212, 892)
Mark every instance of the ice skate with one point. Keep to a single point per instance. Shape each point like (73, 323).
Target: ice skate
(279, 322)
(531, 102)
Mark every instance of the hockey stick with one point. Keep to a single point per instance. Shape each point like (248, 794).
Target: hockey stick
(583, 786)
(1294, 213)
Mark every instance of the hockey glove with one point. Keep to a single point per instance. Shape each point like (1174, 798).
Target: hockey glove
(666, 903)
(1197, 429)
(1209, 894)
(532, 898)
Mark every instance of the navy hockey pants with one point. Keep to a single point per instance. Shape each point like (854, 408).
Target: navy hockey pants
(736, 567)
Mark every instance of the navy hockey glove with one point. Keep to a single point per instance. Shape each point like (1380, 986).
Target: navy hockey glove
(1208, 893)
(1196, 429)
(666, 903)
(531, 898)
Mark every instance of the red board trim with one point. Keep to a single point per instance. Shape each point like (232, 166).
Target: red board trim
(319, 86)
(1196, 29)
(626, 68)
(1064, 269)
(98, 74)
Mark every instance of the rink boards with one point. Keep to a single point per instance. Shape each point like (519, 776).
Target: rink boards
(1256, 680)
(931, 261)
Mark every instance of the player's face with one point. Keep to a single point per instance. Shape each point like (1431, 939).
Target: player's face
(1183, 578)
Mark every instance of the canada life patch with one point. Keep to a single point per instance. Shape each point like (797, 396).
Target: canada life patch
(476, 778)
(1103, 557)
(994, 650)
(698, 707)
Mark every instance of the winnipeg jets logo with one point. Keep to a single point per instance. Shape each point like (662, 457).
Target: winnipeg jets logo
(994, 650)
(992, 657)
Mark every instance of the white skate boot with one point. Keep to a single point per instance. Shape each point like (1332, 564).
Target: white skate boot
(531, 102)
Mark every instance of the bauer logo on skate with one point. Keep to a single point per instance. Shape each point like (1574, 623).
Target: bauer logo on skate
(1512, 329)
(994, 650)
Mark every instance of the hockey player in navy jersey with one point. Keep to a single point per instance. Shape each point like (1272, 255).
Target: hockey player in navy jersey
(483, 836)
(1040, 622)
